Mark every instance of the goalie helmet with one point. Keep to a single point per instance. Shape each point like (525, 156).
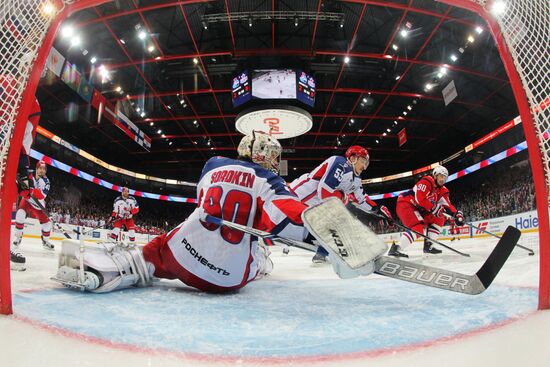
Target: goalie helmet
(440, 170)
(261, 149)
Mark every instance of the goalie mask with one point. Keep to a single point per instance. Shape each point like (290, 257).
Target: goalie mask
(261, 149)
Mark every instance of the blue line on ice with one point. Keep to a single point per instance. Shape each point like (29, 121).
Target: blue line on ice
(276, 318)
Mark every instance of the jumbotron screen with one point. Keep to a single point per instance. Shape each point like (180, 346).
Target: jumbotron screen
(306, 88)
(240, 87)
(273, 84)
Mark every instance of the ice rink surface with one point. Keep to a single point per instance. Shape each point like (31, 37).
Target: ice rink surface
(299, 315)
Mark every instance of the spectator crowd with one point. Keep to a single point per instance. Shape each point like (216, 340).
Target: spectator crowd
(495, 191)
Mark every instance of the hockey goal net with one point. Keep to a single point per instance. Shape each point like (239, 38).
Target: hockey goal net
(27, 29)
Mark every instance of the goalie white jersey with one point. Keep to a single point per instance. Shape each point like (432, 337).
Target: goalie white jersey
(241, 192)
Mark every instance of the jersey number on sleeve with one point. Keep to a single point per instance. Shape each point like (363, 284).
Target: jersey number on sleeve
(235, 208)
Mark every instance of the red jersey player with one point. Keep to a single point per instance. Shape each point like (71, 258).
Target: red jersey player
(340, 177)
(422, 208)
(202, 254)
(124, 209)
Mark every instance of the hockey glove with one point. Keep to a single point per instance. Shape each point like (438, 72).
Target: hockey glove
(22, 182)
(459, 218)
(37, 193)
(134, 211)
(437, 210)
(385, 213)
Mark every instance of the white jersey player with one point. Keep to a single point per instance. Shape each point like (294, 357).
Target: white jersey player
(124, 209)
(32, 205)
(202, 254)
(340, 177)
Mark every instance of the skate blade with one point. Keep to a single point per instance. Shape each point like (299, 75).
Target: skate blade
(17, 267)
(69, 284)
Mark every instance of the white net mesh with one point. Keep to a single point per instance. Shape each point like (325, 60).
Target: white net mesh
(23, 26)
(525, 25)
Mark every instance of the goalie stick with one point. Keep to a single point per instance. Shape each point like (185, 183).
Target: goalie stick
(360, 214)
(413, 272)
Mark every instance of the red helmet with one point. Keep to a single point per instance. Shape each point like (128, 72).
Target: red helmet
(358, 151)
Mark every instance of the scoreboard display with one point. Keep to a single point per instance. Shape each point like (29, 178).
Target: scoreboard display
(273, 84)
(306, 88)
(241, 90)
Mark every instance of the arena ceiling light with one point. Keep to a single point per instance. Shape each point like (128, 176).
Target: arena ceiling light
(453, 58)
(498, 7)
(346, 59)
(142, 34)
(395, 47)
(151, 48)
(479, 30)
(404, 33)
(104, 73)
(93, 60)
(195, 60)
(122, 41)
(67, 31)
(48, 9)
(471, 39)
(75, 40)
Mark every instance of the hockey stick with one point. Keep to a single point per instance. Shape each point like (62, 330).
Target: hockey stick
(529, 251)
(413, 272)
(92, 229)
(452, 280)
(360, 214)
(45, 211)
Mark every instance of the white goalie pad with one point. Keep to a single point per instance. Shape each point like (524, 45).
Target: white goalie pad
(119, 266)
(352, 246)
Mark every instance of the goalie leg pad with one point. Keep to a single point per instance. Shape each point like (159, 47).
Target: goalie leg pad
(119, 266)
(352, 246)
(265, 265)
(70, 277)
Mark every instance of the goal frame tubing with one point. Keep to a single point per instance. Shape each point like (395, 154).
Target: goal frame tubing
(9, 190)
(535, 158)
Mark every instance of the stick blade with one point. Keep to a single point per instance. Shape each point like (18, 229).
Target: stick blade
(489, 270)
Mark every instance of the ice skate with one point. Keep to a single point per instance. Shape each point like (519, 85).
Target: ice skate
(395, 251)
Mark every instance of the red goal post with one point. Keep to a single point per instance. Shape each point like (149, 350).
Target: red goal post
(28, 27)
